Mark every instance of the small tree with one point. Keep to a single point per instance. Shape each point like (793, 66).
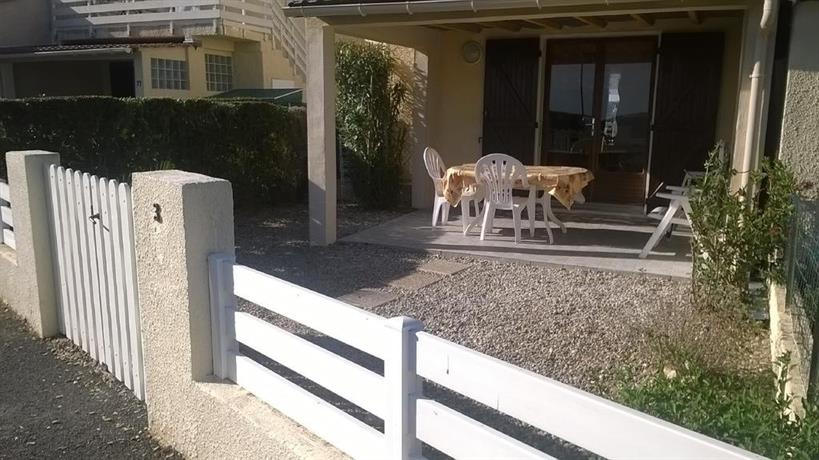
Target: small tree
(738, 231)
(369, 124)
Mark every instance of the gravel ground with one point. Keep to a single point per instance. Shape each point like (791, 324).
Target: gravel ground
(572, 324)
(55, 402)
(583, 327)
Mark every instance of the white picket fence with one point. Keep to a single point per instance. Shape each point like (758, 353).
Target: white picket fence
(593, 423)
(92, 241)
(6, 220)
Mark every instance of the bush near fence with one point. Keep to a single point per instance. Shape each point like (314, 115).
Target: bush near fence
(260, 147)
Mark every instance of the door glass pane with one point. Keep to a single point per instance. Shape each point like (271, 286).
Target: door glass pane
(571, 102)
(626, 100)
(626, 105)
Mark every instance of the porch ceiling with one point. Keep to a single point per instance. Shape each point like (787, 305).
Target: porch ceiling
(596, 21)
(477, 15)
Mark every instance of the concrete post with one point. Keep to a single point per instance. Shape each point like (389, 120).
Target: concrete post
(321, 131)
(179, 219)
(28, 282)
(422, 188)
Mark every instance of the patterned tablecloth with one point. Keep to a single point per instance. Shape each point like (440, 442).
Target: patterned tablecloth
(562, 182)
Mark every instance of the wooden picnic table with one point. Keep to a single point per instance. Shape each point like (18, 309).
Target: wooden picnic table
(562, 182)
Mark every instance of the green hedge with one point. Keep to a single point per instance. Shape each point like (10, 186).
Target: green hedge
(258, 146)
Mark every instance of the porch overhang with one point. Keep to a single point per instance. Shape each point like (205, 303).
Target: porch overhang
(421, 24)
(431, 11)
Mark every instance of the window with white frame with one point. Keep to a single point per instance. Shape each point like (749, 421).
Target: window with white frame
(219, 72)
(169, 74)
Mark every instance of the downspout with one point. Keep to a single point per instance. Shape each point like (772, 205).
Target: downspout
(767, 26)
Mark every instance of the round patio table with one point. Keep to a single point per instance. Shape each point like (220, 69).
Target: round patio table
(565, 183)
(562, 182)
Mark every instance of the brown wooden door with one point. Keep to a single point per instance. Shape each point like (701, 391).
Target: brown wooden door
(598, 112)
(685, 120)
(510, 98)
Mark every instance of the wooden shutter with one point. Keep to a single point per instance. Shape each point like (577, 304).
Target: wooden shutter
(688, 90)
(510, 97)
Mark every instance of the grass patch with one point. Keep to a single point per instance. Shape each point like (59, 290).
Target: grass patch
(741, 409)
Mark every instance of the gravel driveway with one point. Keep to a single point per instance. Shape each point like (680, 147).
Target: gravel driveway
(55, 402)
(579, 326)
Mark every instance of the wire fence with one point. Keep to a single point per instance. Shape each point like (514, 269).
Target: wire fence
(803, 277)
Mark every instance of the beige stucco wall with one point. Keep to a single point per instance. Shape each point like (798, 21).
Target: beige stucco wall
(25, 22)
(800, 126)
(255, 65)
(454, 93)
(27, 272)
(200, 415)
(61, 78)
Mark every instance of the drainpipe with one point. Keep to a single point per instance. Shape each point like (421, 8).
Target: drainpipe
(767, 27)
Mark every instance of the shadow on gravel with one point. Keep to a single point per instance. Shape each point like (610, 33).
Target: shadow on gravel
(275, 241)
(55, 402)
(528, 434)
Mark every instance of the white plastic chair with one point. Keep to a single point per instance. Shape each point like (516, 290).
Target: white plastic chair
(436, 170)
(470, 197)
(499, 174)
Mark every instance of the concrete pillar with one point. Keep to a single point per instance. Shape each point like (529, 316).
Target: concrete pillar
(179, 220)
(422, 188)
(28, 273)
(799, 146)
(755, 47)
(321, 131)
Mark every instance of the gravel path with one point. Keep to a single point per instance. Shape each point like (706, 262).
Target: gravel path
(55, 402)
(579, 326)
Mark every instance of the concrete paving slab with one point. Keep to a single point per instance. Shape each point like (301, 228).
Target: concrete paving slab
(443, 267)
(366, 298)
(415, 281)
(606, 241)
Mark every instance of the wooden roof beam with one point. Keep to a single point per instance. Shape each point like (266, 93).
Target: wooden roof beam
(505, 25)
(644, 19)
(464, 27)
(592, 21)
(695, 17)
(546, 23)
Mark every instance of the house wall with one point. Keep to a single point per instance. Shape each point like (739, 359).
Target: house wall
(453, 121)
(25, 22)
(799, 149)
(800, 143)
(255, 65)
(33, 79)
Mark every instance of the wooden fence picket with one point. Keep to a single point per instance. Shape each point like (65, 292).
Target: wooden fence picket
(93, 247)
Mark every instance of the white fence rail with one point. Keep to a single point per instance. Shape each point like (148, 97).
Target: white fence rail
(92, 239)
(6, 219)
(593, 423)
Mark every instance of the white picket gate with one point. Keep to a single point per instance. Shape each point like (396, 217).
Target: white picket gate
(6, 221)
(92, 239)
(593, 423)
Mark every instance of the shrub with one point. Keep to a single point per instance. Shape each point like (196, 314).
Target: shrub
(743, 410)
(259, 147)
(736, 232)
(369, 125)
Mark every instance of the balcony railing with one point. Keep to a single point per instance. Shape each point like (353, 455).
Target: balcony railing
(74, 19)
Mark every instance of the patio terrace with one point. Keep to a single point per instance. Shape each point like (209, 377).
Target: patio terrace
(602, 237)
